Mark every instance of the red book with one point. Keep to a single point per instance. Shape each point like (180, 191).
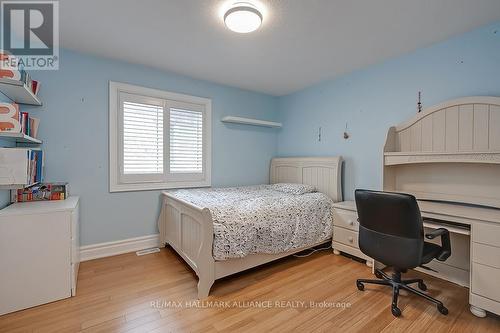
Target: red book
(35, 87)
(25, 122)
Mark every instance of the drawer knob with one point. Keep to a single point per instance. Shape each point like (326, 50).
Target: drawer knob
(350, 239)
(351, 222)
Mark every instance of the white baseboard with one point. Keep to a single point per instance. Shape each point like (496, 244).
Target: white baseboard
(108, 249)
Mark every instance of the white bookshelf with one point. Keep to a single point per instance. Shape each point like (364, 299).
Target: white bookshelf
(15, 166)
(250, 121)
(18, 92)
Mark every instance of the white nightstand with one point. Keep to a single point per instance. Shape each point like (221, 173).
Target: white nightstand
(345, 231)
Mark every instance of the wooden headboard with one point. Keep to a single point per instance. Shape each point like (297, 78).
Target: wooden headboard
(322, 172)
(470, 124)
(448, 152)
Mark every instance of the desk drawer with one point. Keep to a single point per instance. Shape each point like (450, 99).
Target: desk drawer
(485, 281)
(346, 219)
(486, 254)
(486, 234)
(345, 236)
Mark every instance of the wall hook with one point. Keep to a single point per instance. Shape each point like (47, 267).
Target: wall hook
(419, 104)
(346, 135)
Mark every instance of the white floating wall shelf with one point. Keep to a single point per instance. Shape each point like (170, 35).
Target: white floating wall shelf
(250, 121)
(19, 138)
(18, 92)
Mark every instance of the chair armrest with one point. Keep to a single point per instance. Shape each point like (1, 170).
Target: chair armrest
(445, 242)
(437, 232)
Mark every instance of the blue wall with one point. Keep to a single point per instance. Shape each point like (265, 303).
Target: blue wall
(373, 99)
(74, 122)
(74, 128)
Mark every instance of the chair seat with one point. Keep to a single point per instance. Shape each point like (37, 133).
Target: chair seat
(430, 252)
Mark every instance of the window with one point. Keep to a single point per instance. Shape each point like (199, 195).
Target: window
(158, 139)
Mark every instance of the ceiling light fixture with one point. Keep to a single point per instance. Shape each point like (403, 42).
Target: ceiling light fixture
(243, 18)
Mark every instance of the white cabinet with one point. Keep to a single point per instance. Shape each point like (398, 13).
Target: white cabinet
(345, 230)
(39, 253)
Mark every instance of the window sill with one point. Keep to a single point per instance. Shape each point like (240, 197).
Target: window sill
(157, 186)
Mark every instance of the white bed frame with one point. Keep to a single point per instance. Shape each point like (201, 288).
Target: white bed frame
(188, 229)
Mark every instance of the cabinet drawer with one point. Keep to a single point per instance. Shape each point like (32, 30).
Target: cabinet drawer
(345, 236)
(486, 234)
(346, 219)
(486, 254)
(485, 281)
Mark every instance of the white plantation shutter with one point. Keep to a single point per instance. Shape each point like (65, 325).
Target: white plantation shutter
(158, 139)
(186, 141)
(142, 138)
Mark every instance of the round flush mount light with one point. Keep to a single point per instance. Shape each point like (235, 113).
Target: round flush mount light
(243, 18)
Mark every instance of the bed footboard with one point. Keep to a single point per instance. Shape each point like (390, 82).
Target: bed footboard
(188, 229)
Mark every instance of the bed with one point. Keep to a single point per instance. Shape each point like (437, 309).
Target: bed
(195, 222)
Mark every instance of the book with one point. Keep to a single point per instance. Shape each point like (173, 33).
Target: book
(8, 68)
(35, 87)
(41, 192)
(13, 124)
(25, 121)
(34, 123)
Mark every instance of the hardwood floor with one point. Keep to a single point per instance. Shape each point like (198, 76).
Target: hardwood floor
(127, 293)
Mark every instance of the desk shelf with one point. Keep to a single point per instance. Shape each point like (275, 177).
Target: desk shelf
(398, 158)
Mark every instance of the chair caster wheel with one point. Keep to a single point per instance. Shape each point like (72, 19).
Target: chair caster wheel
(422, 286)
(378, 275)
(442, 309)
(360, 286)
(396, 312)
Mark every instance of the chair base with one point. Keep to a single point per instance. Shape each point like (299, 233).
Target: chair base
(397, 284)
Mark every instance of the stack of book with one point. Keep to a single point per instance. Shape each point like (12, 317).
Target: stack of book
(18, 122)
(39, 192)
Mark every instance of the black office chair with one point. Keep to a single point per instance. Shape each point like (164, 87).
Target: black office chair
(391, 231)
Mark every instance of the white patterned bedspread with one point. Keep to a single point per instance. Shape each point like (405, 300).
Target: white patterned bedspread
(261, 219)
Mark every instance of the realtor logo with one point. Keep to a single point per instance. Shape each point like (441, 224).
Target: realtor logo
(30, 34)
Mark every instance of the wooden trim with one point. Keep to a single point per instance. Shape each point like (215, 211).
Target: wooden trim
(108, 249)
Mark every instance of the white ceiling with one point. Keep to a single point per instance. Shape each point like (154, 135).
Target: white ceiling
(301, 42)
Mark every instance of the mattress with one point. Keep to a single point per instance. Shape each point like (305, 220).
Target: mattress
(264, 218)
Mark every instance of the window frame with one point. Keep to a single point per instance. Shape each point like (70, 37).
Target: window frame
(117, 181)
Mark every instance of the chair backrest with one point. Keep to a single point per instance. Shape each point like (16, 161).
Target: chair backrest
(391, 229)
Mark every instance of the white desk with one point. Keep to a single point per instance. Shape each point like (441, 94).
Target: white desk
(475, 260)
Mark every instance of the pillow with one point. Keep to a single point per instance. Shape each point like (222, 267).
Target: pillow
(296, 189)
